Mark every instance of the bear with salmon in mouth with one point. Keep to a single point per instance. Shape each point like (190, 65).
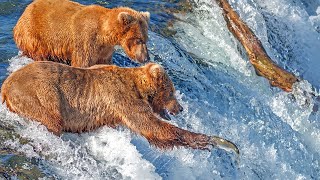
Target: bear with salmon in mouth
(69, 99)
(82, 36)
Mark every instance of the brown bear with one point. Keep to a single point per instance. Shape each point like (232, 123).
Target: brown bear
(70, 99)
(71, 33)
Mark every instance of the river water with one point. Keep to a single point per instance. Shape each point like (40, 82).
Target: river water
(278, 133)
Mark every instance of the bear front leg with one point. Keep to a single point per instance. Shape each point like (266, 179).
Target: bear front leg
(166, 136)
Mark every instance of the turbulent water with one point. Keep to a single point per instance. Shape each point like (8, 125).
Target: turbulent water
(278, 133)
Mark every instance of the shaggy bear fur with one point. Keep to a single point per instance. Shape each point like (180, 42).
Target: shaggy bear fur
(71, 33)
(70, 99)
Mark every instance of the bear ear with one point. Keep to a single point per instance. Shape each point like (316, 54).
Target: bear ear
(125, 18)
(156, 70)
(146, 15)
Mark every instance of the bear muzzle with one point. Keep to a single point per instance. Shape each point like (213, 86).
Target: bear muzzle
(142, 55)
(176, 110)
(172, 109)
(164, 113)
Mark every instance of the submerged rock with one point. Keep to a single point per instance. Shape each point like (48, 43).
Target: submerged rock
(18, 166)
(14, 164)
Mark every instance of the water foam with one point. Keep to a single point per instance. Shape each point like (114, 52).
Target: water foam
(275, 130)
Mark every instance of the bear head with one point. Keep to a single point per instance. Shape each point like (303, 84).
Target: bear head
(161, 92)
(134, 34)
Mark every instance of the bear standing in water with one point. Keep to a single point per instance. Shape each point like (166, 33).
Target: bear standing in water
(71, 33)
(83, 99)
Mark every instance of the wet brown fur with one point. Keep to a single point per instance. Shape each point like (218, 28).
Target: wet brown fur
(65, 98)
(71, 33)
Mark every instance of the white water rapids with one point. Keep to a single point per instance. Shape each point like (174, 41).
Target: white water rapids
(278, 133)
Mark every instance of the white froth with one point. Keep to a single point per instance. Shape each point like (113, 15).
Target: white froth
(17, 62)
(106, 153)
(275, 124)
(205, 37)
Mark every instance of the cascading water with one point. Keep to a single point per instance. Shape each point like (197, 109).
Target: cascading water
(278, 133)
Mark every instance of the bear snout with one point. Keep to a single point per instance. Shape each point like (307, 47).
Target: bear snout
(174, 108)
(142, 54)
